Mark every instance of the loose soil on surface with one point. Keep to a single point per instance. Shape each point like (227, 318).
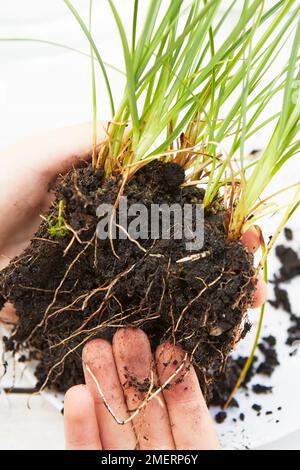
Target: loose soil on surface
(289, 269)
(70, 288)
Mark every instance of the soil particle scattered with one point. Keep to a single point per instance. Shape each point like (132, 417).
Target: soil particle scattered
(228, 379)
(265, 369)
(271, 360)
(290, 263)
(290, 268)
(270, 340)
(281, 299)
(288, 233)
(220, 417)
(256, 407)
(234, 367)
(261, 389)
(242, 417)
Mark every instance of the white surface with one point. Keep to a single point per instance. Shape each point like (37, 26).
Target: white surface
(43, 87)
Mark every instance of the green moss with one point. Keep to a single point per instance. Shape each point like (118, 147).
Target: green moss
(57, 225)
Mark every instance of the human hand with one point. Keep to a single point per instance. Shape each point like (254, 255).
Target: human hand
(176, 418)
(28, 169)
(115, 411)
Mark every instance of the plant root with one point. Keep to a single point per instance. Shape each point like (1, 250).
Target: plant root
(71, 289)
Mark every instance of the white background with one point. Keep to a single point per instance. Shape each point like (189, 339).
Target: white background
(43, 87)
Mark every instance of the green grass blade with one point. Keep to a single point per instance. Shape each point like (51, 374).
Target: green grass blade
(94, 92)
(131, 85)
(134, 25)
(96, 51)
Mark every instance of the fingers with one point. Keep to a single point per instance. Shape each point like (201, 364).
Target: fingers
(251, 240)
(134, 363)
(81, 428)
(191, 423)
(31, 166)
(99, 357)
(260, 293)
(55, 151)
(8, 315)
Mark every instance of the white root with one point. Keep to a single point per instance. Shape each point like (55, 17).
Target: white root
(146, 400)
(194, 257)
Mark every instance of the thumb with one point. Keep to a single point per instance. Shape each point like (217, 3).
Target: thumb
(55, 151)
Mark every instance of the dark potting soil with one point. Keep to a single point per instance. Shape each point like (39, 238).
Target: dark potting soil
(281, 299)
(70, 288)
(288, 233)
(221, 417)
(270, 340)
(290, 263)
(268, 366)
(261, 389)
(290, 269)
(2, 301)
(234, 367)
(230, 376)
(256, 407)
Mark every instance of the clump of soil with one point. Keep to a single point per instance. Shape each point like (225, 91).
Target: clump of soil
(257, 407)
(261, 389)
(229, 378)
(234, 367)
(72, 287)
(221, 417)
(288, 233)
(290, 263)
(281, 299)
(289, 269)
(271, 361)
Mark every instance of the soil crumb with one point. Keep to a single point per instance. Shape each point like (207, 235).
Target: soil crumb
(261, 389)
(288, 233)
(256, 407)
(290, 263)
(290, 269)
(221, 417)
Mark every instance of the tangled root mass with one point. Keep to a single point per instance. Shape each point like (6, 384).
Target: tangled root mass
(72, 287)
